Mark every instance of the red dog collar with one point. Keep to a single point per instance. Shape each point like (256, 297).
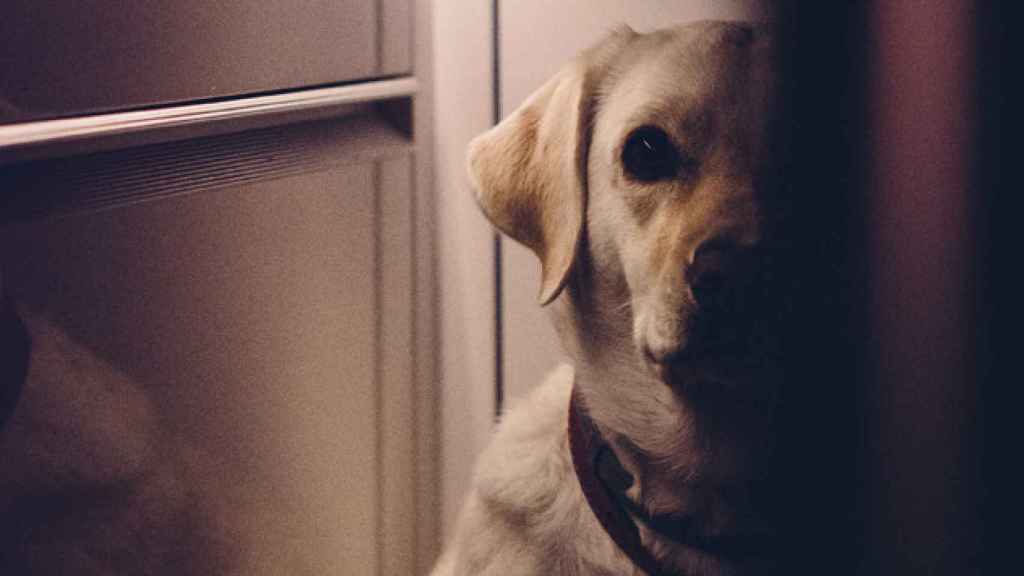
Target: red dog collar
(604, 483)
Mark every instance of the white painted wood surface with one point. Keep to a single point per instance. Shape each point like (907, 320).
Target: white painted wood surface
(99, 57)
(288, 326)
(462, 108)
(268, 311)
(268, 325)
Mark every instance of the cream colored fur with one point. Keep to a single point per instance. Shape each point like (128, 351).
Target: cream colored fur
(614, 254)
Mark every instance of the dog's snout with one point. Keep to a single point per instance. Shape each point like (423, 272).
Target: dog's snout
(719, 268)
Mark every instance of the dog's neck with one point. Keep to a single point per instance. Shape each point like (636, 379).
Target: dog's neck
(605, 482)
(606, 485)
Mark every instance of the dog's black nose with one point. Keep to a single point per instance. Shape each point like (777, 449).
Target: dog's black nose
(719, 274)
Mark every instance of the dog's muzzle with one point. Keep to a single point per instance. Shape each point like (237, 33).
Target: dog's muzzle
(723, 279)
(734, 324)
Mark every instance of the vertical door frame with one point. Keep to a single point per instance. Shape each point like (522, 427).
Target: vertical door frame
(463, 43)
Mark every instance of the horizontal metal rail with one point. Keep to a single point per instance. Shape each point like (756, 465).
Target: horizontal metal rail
(63, 130)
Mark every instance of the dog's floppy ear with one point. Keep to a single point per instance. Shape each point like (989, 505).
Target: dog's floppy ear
(530, 170)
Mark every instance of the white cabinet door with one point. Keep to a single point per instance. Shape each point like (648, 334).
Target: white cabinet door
(63, 57)
(531, 347)
(255, 292)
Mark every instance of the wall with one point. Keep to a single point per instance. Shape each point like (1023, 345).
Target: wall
(462, 109)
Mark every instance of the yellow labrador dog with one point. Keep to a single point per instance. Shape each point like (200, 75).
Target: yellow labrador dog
(635, 176)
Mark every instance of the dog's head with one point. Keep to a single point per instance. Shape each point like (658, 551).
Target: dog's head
(637, 176)
(639, 166)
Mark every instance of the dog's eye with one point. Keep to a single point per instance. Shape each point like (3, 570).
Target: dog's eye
(649, 155)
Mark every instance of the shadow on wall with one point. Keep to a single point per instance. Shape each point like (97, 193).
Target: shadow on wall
(93, 482)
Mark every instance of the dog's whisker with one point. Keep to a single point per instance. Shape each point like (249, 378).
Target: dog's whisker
(628, 304)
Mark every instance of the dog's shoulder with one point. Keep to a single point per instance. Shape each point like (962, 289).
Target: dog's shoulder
(527, 462)
(513, 520)
(526, 513)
